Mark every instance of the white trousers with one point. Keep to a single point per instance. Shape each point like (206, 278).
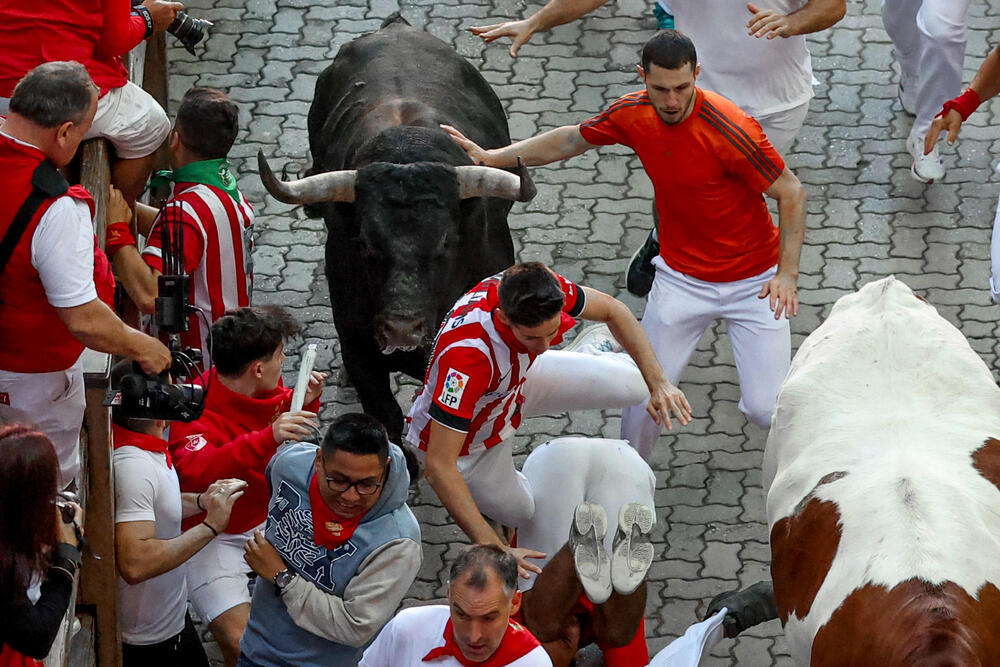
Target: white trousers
(564, 472)
(557, 382)
(995, 253)
(783, 127)
(929, 40)
(679, 310)
(218, 576)
(54, 402)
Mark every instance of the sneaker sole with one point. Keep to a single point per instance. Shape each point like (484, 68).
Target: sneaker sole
(632, 553)
(590, 525)
(643, 290)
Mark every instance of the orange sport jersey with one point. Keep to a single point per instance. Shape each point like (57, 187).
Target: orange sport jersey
(708, 174)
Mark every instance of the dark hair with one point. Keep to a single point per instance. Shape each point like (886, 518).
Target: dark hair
(54, 93)
(29, 480)
(245, 335)
(119, 371)
(669, 49)
(356, 433)
(476, 558)
(530, 294)
(207, 122)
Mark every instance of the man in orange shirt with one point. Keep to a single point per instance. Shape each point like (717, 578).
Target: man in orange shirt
(720, 254)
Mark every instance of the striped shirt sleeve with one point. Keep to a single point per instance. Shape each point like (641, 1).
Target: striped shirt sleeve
(744, 148)
(605, 128)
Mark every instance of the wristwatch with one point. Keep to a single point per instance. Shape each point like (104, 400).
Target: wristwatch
(281, 580)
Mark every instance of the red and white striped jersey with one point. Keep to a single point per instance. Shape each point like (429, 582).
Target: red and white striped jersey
(218, 251)
(474, 378)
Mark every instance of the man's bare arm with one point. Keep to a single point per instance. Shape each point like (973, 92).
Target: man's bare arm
(814, 16)
(551, 146)
(556, 12)
(138, 278)
(985, 84)
(96, 326)
(791, 198)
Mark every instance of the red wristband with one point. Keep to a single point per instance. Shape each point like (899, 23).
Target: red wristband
(965, 104)
(117, 236)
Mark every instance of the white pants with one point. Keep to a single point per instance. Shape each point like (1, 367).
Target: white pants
(995, 253)
(557, 382)
(54, 402)
(564, 472)
(929, 40)
(678, 311)
(783, 127)
(218, 576)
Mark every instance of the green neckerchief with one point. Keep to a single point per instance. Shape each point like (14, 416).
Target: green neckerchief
(207, 172)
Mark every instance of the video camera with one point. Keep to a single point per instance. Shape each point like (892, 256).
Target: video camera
(143, 396)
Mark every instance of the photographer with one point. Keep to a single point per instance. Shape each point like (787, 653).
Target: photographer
(95, 33)
(149, 544)
(215, 220)
(34, 542)
(246, 417)
(49, 306)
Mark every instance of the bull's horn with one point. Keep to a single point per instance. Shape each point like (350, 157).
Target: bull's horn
(493, 182)
(328, 186)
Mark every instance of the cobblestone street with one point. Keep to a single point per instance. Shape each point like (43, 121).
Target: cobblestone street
(867, 218)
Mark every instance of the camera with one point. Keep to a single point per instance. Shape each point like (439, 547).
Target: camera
(154, 397)
(66, 511)
(188, 31)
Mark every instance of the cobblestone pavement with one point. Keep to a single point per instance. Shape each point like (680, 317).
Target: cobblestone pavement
(867, 218)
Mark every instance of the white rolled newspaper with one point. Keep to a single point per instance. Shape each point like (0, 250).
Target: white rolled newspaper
(302, 384)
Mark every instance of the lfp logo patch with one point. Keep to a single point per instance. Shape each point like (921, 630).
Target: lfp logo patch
(453, 388)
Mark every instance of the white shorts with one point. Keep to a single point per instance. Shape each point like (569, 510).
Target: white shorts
(218, 576)
(54, 402)
(130, 119)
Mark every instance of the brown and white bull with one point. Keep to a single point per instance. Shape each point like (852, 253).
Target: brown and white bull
(882, 470)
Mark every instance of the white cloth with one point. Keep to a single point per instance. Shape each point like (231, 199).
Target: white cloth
(928, 38)
(995, 253)
(762, 76)
(689, 649)
(678, 311)
(558, 381)
(782, 127)
(218, 576)
(62, 251)
(146, 489)
(130, 119)
(414, 632)
(564, 472)
(55, 403)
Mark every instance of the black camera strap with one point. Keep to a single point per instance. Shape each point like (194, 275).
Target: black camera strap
(46, 183)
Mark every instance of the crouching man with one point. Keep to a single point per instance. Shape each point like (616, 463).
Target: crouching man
(475, 627)
(340, 549)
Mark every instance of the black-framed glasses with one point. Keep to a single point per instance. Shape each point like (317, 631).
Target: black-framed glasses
(364, 487)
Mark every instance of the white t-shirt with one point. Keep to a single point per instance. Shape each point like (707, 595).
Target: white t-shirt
(762, 76)
(147, 490)
(414, 632)
(62, 251)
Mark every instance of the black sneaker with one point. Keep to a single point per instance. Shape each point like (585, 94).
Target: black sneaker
(640, 273)
(746, 608)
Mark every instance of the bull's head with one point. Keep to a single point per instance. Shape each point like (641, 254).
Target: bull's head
(408, 235)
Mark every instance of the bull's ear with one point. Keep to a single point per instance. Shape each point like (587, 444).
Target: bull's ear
(528, 190)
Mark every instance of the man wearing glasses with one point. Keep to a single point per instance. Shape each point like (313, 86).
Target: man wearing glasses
(339, 551)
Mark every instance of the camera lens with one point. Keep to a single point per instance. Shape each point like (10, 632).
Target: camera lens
(188, 30)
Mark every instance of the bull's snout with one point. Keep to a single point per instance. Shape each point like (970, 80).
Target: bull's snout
(399, 334)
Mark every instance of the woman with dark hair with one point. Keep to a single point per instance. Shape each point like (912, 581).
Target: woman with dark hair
(35, 545)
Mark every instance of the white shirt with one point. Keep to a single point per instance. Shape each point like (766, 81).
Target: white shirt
(147, 490)
(414, 632)
(762, 76)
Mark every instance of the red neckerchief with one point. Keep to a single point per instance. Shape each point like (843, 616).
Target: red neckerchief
(122, 437)
(517, 642)
(329, 529)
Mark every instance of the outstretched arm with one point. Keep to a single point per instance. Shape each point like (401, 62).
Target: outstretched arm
(664, 397)
(556, 12)
(985, 84)
(814, 16)
(552, 146)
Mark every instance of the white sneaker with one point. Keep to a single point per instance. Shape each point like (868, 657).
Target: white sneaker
(632, 552)
(586, 543)
(926, 168)
(596, 339)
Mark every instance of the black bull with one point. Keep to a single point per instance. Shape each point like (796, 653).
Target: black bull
(407, 231)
